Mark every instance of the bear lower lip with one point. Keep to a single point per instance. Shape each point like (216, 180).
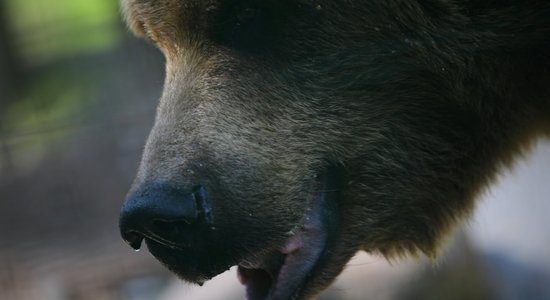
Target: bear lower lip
(186, 263)
(283, 274)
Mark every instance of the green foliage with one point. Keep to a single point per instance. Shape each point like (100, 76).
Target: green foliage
(46, 30)
(48, 109)
(46, 100)
(54, 42)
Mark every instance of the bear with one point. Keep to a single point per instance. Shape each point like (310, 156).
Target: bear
(292, 134)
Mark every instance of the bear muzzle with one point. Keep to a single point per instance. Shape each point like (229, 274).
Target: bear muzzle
(178, 228)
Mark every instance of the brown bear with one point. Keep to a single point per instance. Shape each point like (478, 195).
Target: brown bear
(293, 133)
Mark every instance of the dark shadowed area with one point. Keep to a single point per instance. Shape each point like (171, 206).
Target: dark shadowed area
(77, 100)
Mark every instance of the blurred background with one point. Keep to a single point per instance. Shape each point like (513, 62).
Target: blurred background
(77, 98)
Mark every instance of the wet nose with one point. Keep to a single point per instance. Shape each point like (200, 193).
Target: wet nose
(163, 214)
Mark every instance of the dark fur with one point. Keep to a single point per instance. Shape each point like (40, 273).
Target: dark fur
(418, 103)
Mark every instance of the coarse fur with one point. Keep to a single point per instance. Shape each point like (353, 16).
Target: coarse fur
(418, 104)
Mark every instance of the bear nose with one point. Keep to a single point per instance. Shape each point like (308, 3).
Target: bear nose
(162, 214)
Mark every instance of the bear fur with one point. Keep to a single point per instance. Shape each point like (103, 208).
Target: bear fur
(411, 107)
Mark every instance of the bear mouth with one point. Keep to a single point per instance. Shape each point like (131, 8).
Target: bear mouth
(283, 274)
(280, 274)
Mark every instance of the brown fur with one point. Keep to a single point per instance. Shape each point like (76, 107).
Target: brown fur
(418, 103)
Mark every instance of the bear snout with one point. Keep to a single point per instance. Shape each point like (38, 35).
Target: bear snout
(164, 214)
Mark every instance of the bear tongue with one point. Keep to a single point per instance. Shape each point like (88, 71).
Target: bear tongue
(302, 251)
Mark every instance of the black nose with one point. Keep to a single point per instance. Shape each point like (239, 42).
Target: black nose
(163, 214)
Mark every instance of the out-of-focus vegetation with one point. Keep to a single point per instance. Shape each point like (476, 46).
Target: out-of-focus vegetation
(52, 80)
(77, 96)
(48, 30)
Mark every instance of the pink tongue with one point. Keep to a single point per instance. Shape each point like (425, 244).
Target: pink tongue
(304, 249)
(281, 280)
